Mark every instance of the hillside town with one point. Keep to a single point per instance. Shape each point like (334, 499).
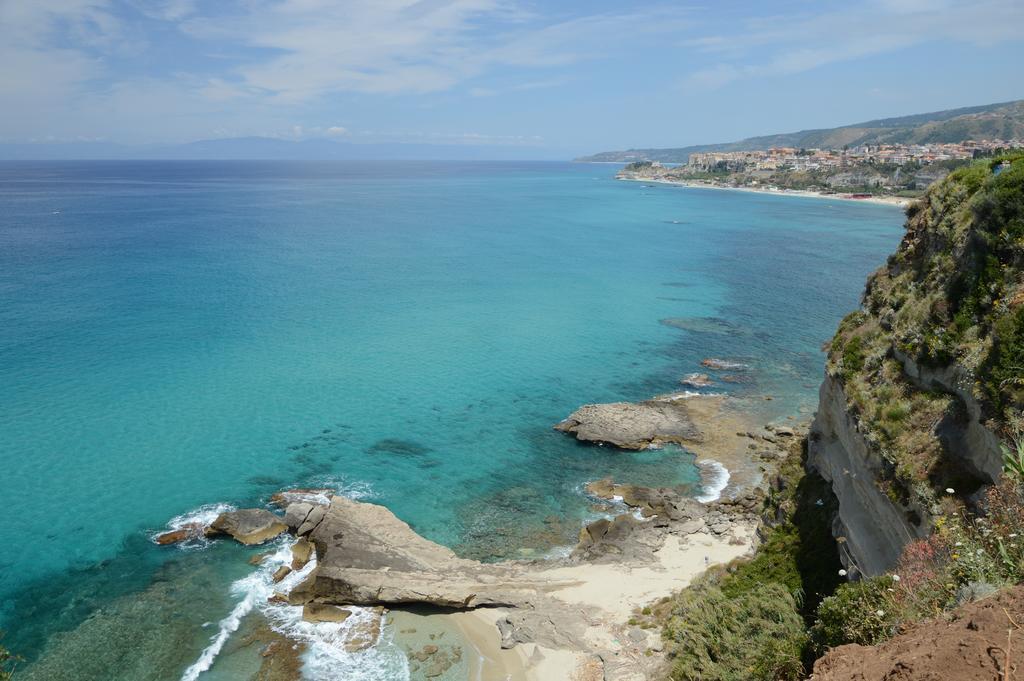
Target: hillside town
(789, 158)
(893, 173)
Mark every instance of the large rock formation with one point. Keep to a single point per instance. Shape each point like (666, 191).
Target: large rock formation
(248, 525)
(367, 556)
(633, 426)
(926, 379)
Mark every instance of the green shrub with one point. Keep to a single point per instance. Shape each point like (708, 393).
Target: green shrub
(1013, 460)
(853, 356)
(858, 612)
(1004, 368)
(756, 634)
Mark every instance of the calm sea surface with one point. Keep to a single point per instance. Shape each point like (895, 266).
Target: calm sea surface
(177, 334)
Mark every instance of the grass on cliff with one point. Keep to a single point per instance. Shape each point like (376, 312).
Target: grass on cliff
(750, 619)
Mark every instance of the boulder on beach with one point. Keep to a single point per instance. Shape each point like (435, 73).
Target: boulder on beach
(633, 426)
(249, 525)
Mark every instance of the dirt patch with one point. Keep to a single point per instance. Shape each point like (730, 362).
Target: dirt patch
(980, 641)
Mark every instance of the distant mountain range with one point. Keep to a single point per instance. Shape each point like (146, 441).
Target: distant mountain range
(268, 148)
(993, 121)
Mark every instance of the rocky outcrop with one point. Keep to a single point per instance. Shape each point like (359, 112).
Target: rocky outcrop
(367, 556)
(871, 528)
(248, 526)
(633, 426)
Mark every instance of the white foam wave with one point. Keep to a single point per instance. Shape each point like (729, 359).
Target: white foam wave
(226, 627)
(326, 656)
(353, 490)
(688, 394)
(716, 478)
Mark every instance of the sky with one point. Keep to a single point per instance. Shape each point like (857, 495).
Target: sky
(559, 76)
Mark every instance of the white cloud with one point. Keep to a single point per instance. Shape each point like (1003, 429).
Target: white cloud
(783, 45)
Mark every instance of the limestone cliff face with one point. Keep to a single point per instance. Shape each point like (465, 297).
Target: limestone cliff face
(924, 381)
(873, 528)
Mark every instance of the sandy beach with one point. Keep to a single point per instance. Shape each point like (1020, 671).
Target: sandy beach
(900, 201)
(607, 596)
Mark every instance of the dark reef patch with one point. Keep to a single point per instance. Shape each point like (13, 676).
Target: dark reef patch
(398, 447)
(703, 325)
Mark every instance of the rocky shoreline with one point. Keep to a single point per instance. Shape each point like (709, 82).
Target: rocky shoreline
(567, 617)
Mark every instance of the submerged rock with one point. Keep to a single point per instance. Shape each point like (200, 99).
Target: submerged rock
(249, 526)
(633, 426)
(318, 612)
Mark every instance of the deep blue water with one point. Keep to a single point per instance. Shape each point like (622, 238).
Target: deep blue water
(174, 334)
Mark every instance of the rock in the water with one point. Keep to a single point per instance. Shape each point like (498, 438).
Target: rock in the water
(281, 572)
(650, 501)
(302, 551)
(696, 380)
(319, 612)
(184, 533)
(723, 364)
(633, 426)
(248, 526)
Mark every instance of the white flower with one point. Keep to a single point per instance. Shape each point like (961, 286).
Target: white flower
(950, 490)
(880, 613)
(1012, 535)
(895, 578)
(959, 543)
(842, 573)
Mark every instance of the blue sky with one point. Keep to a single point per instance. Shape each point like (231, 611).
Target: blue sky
(573, 76)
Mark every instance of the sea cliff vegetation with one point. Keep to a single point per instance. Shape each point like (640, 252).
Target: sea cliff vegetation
(949, 304)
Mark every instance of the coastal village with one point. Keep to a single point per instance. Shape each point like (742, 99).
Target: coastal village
(894, 171)
(789, 158)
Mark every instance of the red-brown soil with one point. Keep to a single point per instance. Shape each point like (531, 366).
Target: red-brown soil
(980, 641)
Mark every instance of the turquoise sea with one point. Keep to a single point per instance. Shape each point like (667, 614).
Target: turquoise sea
(180, 334)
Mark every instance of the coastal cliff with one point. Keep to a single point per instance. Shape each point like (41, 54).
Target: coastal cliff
(924, 381)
